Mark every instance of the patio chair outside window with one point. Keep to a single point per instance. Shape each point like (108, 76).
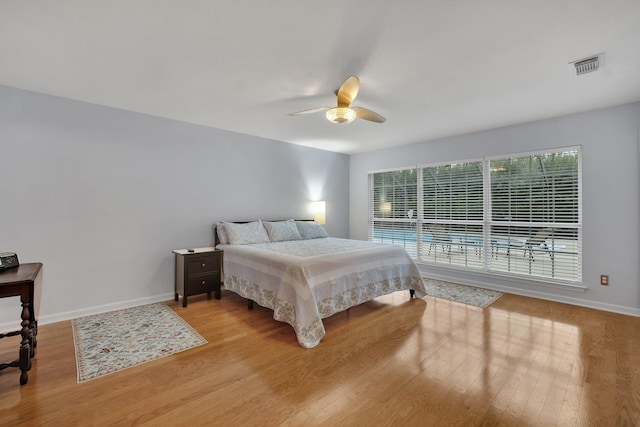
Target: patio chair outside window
(440, 236)
(538, 242)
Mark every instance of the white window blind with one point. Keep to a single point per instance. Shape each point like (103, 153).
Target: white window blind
(536, 215)
(452, 214)
(393, 207)
(512, 215)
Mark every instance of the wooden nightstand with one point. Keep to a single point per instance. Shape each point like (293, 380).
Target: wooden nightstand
(198, 272)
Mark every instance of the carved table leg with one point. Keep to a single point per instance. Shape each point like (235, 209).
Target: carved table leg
(33, 332)
(25, 345)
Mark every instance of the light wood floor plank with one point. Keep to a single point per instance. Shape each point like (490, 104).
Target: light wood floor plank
(393, 361)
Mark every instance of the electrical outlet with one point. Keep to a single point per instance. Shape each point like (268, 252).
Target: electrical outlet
(604, 279)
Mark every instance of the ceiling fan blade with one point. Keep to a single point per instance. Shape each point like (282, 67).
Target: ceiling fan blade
(366, 114)
(348, 91)
(313, 110)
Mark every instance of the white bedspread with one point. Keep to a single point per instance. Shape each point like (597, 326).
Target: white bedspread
(304, 281)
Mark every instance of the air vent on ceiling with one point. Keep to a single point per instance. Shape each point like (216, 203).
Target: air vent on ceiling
(588, 65)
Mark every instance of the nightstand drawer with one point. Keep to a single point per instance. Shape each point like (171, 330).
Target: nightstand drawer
(201, 284)
(203, 264)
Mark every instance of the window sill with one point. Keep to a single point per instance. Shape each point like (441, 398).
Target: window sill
(487, 278)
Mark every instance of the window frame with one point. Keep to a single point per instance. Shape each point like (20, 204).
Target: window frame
(488, 222)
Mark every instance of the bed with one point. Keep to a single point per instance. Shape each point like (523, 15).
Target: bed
(303, 275)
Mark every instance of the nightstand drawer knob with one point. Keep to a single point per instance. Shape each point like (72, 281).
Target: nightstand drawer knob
(203, 282)
(203, 264)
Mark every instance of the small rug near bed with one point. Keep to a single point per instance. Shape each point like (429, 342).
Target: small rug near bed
(109, 342)
(461, 293)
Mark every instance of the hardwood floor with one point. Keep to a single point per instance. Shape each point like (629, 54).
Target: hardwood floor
(393, 361)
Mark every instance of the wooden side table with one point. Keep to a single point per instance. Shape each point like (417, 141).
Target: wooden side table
(23, 281)
(198, 272)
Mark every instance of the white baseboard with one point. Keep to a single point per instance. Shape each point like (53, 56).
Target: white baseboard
(631, 311)
(59, 317)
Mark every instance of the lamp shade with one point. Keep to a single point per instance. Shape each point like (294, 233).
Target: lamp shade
(318, 211)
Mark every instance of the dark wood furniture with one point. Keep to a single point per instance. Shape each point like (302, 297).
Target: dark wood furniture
(198, 272)
(25, 282)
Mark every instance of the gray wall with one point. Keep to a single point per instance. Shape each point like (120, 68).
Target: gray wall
(102, 196)
(611, 189)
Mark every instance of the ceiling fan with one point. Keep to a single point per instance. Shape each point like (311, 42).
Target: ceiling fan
(343, 113)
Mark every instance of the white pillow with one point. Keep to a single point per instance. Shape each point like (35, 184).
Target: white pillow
(246, 234)
(311, 230)
(222, 233)
(280, 231)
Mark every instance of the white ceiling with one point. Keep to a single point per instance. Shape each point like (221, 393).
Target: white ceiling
(433, 68)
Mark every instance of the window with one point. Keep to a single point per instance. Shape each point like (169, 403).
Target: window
(515, 215)
(393, 207)
(452, 213)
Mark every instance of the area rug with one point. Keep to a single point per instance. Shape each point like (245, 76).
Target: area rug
(110, 342)
(461, 293)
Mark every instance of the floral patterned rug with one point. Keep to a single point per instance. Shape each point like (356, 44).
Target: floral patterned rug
(461, 293)
(109, 342)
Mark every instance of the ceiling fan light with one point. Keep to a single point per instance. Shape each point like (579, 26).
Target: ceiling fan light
(341, 115)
